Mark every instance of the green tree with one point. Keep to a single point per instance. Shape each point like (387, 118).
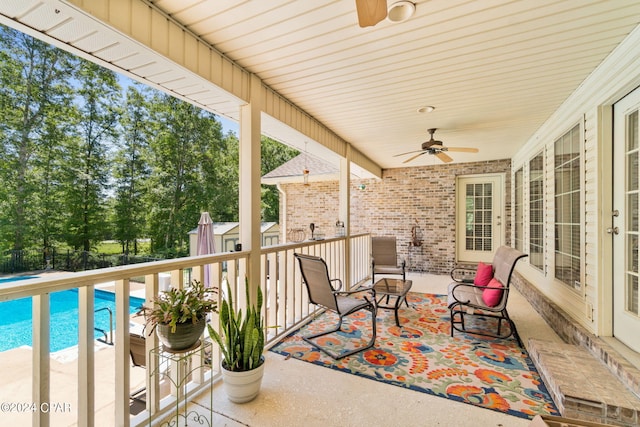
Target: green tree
(65, 170)
(273, 154)
(222, 179)
(88, 173)
(182, 149)
(49, 172)
(132, 170)
(34, 88)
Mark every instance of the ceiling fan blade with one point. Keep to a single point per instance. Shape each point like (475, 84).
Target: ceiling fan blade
(370, 12)
(408, 152)
(462, 149)
(444, 157)
(414, 157)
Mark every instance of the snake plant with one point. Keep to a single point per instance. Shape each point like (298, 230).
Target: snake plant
(241, 338)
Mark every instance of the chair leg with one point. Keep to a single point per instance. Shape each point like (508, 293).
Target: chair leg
(512, 326)
(453, 311)
(459, 325)
(336, 329)
(370, 344)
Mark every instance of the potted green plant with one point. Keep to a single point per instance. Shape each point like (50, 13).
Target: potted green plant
(241, 340)
(179, 316)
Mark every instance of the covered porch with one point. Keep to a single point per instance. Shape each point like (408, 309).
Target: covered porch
(508, 78)
(293, 392)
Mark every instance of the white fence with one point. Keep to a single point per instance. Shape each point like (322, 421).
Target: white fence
(286, 306)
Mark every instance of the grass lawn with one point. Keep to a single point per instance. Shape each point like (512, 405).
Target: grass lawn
(111, 247)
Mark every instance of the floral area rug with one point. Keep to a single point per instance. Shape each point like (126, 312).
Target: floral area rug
(420, 355)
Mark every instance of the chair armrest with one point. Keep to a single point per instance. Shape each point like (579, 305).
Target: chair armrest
(370, 290)
(462, 275)
(339, 284)
(471, 285)
(468, 303)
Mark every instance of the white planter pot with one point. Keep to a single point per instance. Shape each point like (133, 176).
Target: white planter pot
(243, 386)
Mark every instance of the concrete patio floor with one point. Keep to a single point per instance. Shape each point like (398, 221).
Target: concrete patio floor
(294, 393)
(297, 393)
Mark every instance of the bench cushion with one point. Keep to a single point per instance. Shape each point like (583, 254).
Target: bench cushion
(464, 293)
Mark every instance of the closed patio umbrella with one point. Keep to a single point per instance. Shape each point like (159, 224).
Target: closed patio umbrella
(206, 245)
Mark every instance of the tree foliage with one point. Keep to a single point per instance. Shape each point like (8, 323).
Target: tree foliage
(131, 170)
(273, 154)
(34, 90)
(85, 159)
(88, 171)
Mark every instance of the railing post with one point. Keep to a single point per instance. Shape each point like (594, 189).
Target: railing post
(86, 358)
(41, 367)
(122, 354)
(151, 342)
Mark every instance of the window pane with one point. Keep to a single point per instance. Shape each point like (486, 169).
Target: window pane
(519, 211)
(632, 242)
(632, 205)
(568, 188)
(632, 160)
(536, 211)
(632, 293)
(479, 216)
(632, 127)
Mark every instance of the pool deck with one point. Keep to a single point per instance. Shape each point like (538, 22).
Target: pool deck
(16, 383)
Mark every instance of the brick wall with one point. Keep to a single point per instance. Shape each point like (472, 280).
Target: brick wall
(403, 198)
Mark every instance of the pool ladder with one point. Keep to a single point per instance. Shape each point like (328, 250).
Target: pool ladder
(108, 339)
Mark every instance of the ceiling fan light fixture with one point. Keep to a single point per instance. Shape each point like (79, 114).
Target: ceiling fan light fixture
(400, 11)
(426, 109)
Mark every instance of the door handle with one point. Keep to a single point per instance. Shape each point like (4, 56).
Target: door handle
(613, 230)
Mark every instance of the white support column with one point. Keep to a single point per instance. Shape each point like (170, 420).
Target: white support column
(250, 132)
(344, 210)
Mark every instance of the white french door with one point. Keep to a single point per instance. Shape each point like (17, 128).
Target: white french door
(625, 228)
(480, 217)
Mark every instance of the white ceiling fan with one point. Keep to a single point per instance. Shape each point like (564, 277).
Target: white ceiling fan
(370, 12)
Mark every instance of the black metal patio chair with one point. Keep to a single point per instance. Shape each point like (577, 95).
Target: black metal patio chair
(324, 294)
(384, 257)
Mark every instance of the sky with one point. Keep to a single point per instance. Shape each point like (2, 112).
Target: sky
(227, 125)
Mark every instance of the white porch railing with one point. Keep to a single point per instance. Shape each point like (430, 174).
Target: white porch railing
(286, 306)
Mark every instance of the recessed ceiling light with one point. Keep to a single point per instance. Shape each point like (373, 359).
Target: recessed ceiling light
(426, 109)
(400, 11)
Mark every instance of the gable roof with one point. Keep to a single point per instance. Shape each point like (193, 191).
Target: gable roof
(291, 171)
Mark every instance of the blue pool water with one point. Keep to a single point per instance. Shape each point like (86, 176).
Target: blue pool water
(16, 323)
(15, 279)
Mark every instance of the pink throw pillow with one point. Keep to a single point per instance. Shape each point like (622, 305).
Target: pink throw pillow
(484, 274)
(492, 296)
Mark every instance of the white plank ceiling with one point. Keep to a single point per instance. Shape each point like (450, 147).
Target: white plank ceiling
(494, 70)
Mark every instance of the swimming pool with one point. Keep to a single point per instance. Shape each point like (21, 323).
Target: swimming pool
(16, 322)
(15, 278)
